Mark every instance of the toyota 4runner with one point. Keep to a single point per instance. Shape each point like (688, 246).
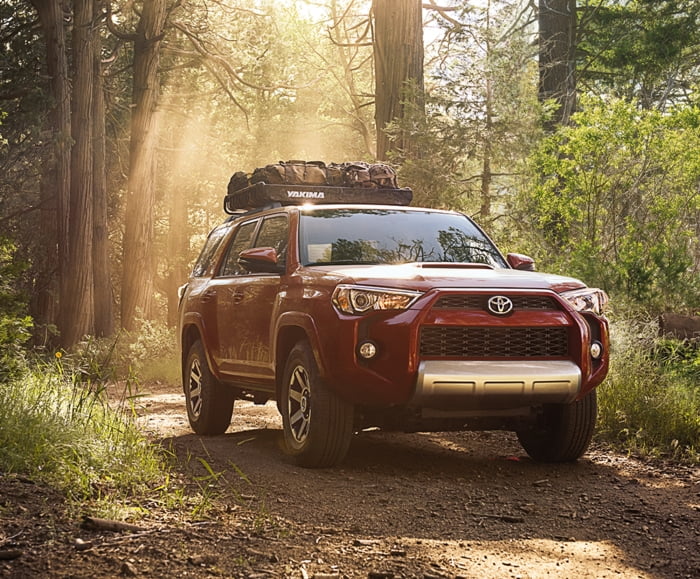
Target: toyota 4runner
(353, 310)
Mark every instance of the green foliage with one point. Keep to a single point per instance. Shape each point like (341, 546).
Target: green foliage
(152, 353)
(680, 359)
(149, 353)
(481, 114)
(14, 323)
(615, 201)
(644, 49)
(650, 402)
(61, 430)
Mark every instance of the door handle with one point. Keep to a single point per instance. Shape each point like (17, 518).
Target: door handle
(208, 296)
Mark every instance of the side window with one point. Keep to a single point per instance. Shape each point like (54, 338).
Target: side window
(210, 247)
(242, 239)
(274, 232)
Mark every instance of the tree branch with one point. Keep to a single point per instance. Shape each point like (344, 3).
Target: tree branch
(442, 11)
(223, 63)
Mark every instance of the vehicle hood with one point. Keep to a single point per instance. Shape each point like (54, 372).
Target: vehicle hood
(426, 276)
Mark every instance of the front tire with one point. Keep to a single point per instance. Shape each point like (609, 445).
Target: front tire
(209, 402)
(563, 432)
(317, 423)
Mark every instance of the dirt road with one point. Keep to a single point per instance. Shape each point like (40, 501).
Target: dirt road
(418, 505)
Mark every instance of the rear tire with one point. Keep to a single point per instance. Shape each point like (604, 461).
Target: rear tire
(318, 425)
(563, 432)
(209, 402)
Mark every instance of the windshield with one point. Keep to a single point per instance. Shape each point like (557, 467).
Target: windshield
(383, 236)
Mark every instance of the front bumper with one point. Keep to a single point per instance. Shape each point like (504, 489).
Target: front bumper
(481, 385)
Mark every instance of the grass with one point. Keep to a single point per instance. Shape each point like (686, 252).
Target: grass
(56, 426)
(62, 431)
(650, 402)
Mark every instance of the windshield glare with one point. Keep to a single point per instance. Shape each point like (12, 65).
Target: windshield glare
(391, 236)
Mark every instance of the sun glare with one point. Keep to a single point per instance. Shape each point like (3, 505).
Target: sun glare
(315, 11)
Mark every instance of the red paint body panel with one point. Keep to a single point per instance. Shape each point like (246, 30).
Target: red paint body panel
(248, 323)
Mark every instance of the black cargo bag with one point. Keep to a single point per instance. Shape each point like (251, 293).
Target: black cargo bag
(355, 174)
(291, 173)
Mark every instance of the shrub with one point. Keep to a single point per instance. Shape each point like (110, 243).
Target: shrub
(152, 352)
(650, 402)
(60, 429)
(615, 201)
(14, 323)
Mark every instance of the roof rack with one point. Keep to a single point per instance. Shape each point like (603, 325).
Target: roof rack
(262, 194)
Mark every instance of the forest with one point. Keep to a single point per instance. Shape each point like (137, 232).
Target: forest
(569, 129)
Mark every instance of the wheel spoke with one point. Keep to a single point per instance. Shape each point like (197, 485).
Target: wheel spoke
(298, 403)
(299, 423)
(195, 393)
(295, 419)
(304, 428)
(300, 378)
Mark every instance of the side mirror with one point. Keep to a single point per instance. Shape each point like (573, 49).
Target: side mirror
(259, 260)
(521, 262)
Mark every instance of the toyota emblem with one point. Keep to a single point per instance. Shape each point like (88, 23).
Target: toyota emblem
(500, 305)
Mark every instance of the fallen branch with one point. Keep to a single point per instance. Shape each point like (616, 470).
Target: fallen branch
(504, 518)
(108, 525)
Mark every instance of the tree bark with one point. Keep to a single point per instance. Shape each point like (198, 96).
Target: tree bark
(103, 298)
(77, 307)
(55, 186)
(178, 245)
(398, 63)
(138, 274)
(557, 51)
(486, 173)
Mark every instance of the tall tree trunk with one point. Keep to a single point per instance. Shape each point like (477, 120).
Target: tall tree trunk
(178, 245)
(77, 307)
(486, 173)
(55, 186)
(398, 63)
(557, 51)
(104, 303)
(138, 274)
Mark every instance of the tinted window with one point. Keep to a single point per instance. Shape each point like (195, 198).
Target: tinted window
(210, 247)
(274, 232)
(242, 239)
(392, 236)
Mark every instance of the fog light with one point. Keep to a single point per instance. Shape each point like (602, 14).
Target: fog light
(596, 350)
(367, 350)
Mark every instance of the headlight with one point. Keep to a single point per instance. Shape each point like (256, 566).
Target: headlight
(351, 299)
(587, 300)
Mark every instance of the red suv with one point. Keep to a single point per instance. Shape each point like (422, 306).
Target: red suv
(378, 314)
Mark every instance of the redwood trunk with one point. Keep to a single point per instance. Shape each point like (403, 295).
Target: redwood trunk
(557, 50)
(55, 186)
(104, 303)
(138, 274)
(77, 310)
(398, 62)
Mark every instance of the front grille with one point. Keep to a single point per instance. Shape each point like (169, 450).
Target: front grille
(493, 342)
(478, 302)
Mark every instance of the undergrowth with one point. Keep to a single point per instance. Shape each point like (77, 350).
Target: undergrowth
(650, 402)
(62, 431)
(145, 354)
(71, 423)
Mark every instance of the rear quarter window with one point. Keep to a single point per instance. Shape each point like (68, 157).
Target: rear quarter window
(210, 246)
